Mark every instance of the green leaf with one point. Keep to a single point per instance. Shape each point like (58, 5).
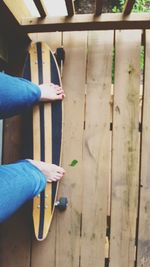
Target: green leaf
(73, 163)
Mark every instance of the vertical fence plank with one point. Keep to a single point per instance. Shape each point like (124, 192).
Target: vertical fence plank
(125, 169)
(144, 219)
(50, 38)
(68, 223)
(96, 148)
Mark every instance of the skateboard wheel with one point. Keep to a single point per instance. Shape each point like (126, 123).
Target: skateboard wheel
(62, 203)
(60, 55)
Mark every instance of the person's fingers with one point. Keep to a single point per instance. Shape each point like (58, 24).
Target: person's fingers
(52, 172)
(61, 170)
(56, 86)
(53, 84)
(60, 97)
(53, 179)
(51, 92)
(58, 175)
(56, 167)
(50, 180)
(60, 91)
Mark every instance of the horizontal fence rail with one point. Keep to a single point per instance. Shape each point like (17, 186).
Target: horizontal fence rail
(87, 22)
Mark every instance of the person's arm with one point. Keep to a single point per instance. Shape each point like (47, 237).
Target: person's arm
(23, 180)
(16, 95)
(19, 182)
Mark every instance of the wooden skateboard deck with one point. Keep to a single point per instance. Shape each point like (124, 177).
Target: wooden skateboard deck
(47, 134)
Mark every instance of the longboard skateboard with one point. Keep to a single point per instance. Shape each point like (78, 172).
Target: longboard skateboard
(47, 135)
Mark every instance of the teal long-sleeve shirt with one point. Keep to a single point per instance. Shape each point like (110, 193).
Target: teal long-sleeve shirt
(20, 181)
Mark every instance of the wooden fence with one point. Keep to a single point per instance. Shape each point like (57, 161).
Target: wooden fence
(107, 130)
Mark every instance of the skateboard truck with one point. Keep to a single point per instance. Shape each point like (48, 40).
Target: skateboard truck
(61, 204)
(60, 57)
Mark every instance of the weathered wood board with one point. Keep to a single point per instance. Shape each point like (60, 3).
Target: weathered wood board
(69, 225)
(143, 259)
(96, 148)
(126, 145)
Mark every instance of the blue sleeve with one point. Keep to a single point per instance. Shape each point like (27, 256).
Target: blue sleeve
(19, 182)
(16, 95)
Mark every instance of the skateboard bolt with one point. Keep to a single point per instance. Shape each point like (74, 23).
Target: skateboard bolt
(38, 206)
(46, 206)
(56, 203)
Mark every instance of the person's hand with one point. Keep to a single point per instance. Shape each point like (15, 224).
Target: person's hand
(52, 172)
(51, 92)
